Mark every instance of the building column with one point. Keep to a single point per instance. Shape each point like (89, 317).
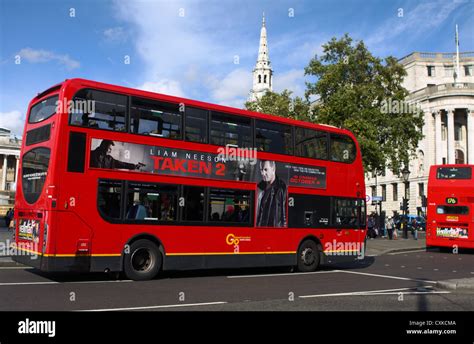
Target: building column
(17, 158)
(451, 158)
(438, 143)
(4, 173)
(470, 136)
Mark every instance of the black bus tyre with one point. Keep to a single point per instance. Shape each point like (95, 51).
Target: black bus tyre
(143, 262)
(308, 256)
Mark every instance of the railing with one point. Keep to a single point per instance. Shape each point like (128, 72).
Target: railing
(438, 56)
(442, 88)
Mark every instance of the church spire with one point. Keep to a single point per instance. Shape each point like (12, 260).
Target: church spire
(263, 48)
(262, 74)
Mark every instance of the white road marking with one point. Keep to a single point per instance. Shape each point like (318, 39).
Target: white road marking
(153, 307)
(27, 283)
(378, 292)
(386, 276)
(405, 253)
(285, 274)
(54, 282)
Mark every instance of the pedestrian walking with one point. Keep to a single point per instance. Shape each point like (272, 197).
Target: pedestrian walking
(8, 217)
(414, 229)
(389, 227)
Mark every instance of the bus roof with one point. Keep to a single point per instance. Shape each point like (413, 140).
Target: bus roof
(197, 103)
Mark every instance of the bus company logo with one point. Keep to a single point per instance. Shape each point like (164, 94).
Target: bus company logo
(452, 218)
(29, 230)
(234, 153)
(75, 106)
(234, 240)
(37, 327)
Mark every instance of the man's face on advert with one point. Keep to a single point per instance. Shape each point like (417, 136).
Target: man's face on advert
(268, 172)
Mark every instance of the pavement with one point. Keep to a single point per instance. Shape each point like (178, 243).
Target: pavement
(381, 246)
(375, 248)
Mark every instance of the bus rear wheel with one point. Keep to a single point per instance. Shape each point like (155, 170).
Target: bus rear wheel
(308, 256)
(143, 262)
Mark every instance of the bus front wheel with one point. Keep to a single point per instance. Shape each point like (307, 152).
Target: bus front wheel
(308, 256)
(143, 262)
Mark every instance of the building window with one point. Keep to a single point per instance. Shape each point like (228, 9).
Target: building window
(444, 132)
(264, 79)
(273, 137)
(421, 189)
(374, 191)
(407, 190)
(259, 79)
(469, 70)
(448, 71)
(459, 156)
(431, 70)
(458, 132)
(384, 192)
(395, 191)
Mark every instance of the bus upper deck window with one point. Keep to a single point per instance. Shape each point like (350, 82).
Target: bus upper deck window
(43, 110)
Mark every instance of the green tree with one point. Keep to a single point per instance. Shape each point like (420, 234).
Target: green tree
(360, 92)
(281, 104)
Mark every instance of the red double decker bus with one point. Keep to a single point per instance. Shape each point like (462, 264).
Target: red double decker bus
(450, 216)
(118, 179)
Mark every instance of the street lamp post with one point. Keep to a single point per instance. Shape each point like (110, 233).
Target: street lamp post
(405, 175)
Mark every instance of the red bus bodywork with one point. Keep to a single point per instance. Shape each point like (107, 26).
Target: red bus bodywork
(450, 215)
(69, 234)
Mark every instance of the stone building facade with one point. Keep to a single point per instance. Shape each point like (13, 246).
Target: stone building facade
(446, 98)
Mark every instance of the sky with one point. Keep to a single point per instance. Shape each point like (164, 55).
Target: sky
(202, 50)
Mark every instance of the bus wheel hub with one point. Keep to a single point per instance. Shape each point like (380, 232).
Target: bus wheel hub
(142, 260)
(307, 256)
